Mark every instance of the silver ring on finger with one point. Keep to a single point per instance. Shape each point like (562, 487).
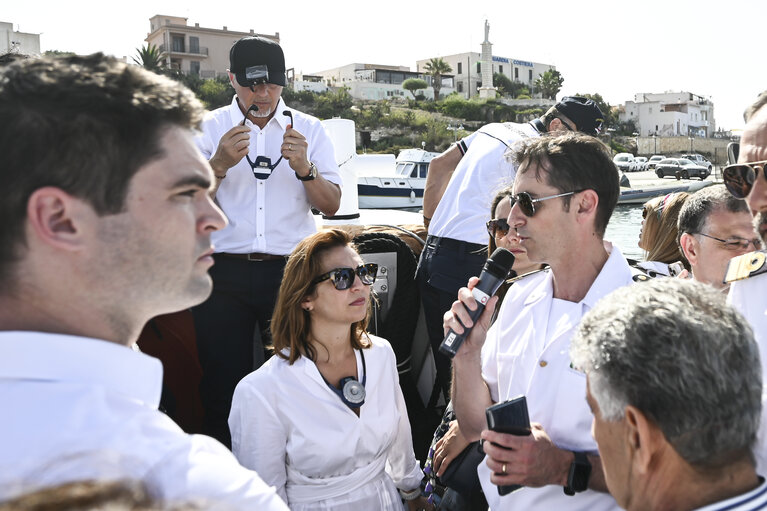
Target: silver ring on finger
(503, 469)
(290, 147)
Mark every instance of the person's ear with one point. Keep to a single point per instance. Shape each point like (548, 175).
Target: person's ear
(642, 439)
(232, 79)
(58, 219)
(307, 304)
(585, 203)
(690, 247)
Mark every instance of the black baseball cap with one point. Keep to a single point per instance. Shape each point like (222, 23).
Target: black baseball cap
(585, 113)
(257, 60)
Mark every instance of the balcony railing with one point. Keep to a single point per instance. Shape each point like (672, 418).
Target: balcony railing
(202, 50)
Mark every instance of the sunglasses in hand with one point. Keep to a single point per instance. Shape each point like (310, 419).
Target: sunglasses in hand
(343, 278)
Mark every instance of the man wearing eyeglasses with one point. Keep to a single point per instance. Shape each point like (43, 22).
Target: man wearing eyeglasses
(563, 196)
(460, 187)
(714, 227)
(271, 165)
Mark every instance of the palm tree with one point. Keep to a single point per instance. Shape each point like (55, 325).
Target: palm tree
(436, 68)
(549, 83)
(149, 57)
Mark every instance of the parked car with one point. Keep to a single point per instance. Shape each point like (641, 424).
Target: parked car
(681, 168)
(653, 161)
(623, 161)
(699, 159)
(640, 164)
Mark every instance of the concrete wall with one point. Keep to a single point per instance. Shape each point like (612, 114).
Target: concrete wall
(715, 149)
(19, 42)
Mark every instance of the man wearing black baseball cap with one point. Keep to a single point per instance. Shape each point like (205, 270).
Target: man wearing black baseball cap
(460, 186)
(272, 164)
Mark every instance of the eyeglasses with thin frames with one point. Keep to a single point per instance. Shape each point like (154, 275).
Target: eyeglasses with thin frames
(736, 242)
(343, 278)
(739, 178)
(527, 203)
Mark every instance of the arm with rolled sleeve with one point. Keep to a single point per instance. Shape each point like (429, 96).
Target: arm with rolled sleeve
(258, 437)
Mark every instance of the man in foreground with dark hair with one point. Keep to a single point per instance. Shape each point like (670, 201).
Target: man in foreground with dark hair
(107, 220)
(713, 228)
(675, 385)
(564, 193)
(460, 188)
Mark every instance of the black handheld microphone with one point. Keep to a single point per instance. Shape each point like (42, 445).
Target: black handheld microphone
(494, 273)
(289, 115)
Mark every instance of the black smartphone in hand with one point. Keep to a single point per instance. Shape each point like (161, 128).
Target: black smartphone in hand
(509, 417)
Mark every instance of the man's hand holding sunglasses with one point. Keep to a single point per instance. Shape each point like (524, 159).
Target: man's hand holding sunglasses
(294, 149)
(231, 149)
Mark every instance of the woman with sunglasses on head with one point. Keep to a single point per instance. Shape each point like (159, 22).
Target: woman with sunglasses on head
(324, 420)
(452, 443)
(659, 233)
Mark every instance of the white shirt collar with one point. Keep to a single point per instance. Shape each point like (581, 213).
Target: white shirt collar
(66, 358)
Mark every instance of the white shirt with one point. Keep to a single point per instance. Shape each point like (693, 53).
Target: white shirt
(522, 357)
(77, 408)
(482, 172)
(290, 427)
(266, 215)
(749, 297)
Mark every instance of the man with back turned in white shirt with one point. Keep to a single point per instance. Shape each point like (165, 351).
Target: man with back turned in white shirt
(107, 218)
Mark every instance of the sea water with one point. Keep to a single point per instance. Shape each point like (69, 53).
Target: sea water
(623, 229)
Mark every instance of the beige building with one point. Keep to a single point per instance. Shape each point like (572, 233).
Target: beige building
(195, 49)
(18, 42)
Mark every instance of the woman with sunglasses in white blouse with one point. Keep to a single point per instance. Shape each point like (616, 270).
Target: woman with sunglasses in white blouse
(324, 420)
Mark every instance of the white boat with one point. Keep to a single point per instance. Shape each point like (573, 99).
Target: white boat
(641, 194)
(397, 186)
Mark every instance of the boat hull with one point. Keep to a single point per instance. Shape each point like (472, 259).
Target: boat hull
(642, 195)
(390, 193)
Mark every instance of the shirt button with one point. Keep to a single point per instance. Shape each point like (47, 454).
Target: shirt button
(543, 363)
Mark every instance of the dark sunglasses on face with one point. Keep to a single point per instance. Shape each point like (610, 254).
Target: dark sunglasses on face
(343, 278)
(498, 227)
(736, 242)
(527, 203)
(739, 178)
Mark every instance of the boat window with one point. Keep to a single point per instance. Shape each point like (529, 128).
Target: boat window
(424, 169)
(405, 169)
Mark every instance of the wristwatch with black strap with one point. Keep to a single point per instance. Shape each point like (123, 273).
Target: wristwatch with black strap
(578, 476)
(311, 175)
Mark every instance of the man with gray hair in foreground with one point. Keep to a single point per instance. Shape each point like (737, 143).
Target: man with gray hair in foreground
(674, 381)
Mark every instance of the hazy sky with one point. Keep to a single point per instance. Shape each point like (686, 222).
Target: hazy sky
(616, 48)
